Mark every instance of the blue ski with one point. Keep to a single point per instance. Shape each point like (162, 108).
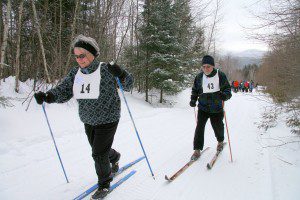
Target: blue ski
(122, 169)
(122, 180)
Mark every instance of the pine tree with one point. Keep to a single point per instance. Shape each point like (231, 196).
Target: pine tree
(161, 47)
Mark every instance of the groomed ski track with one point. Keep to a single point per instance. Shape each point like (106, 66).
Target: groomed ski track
(167, 135)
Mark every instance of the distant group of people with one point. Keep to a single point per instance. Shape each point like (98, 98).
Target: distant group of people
(242, 86)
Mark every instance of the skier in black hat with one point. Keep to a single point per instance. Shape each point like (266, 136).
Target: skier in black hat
(210, 89)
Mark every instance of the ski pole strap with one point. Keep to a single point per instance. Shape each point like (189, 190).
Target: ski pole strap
(136, 131)
(43, 106)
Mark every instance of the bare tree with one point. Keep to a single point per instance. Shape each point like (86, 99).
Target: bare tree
(5, 37)
(212, 33)
(73, 27)
(40, 41)
(17, 67)
(125, 32)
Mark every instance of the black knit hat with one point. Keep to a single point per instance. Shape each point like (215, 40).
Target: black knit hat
(87, 47)
(207, 59)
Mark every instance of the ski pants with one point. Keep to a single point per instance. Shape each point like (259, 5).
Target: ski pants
(101, 138)
(216, 120)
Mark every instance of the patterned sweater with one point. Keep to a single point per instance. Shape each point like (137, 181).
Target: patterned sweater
(211, 102)
(105, 109)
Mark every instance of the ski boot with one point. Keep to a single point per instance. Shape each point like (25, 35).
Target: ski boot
(196, 155)
(220, 146)
(100, 194)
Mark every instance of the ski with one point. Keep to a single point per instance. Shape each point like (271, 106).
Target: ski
(122, 169)
(122, 180)
(214, 159)
(180, 171)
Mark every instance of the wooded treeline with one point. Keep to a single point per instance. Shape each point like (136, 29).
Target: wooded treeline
(280, 68)
(159, 41)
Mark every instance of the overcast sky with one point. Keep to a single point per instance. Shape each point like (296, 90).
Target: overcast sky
(231, 35)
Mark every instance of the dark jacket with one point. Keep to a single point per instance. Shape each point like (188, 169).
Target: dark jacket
(211, 102)
(105, 109)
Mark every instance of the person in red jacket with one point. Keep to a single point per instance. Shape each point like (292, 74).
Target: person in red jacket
(236, 86)
(246, 86)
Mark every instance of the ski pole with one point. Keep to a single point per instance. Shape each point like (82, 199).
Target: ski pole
(227, 131)
(137, 134)
(54, 142)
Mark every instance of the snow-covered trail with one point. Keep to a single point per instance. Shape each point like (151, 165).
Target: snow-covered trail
(248, 177)
(29, 167)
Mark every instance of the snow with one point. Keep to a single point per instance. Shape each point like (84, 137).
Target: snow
(30, 169)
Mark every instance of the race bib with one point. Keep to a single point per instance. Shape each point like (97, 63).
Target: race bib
(211, 84)
(87, 86)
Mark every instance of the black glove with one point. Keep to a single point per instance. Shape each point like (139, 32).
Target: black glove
(222, 96)
(116, 70)
(193, 103)
(42, 97)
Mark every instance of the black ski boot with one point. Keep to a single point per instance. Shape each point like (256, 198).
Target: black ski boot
(196, 155)
(115, 165)
(100, 194)
(220, 146)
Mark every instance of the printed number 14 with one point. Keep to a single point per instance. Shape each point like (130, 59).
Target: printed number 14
(87, 88)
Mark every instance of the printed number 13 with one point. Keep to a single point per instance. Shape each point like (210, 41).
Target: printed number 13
(87, 88)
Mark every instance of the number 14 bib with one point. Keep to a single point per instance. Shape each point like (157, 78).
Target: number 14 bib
(211, 84)
(87, 86)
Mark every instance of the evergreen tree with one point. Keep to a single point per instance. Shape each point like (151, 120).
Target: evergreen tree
(161, 47)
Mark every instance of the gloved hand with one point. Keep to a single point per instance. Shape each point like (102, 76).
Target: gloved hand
(222, 96)
(42, 97)
(193, 103)
(116, 70)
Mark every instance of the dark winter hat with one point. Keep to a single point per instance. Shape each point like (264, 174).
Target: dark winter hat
(86, 43)
(207, 59)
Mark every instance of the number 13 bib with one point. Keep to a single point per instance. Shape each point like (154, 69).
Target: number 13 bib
(211, 84)
(87, 86)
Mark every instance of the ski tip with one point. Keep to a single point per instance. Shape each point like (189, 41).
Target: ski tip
(167, 178)
(208, 166)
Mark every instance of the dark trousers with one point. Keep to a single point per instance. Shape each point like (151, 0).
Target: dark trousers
(101, 138)
(216, 120)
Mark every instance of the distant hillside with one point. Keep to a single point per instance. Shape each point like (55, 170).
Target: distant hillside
(251, 53)
(250, 56)
(242, 61)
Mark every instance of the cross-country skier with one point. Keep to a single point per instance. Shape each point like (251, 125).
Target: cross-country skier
(236, 86)
(93, 84)
(210, 88)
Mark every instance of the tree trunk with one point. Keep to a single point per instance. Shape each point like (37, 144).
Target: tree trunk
(1, 23)
(5, 37)
(17, 67)
(41, 41)
(59, 40)
(71, 37)
(123, 37)
(161, 96)
(146, 88)
(214, 26)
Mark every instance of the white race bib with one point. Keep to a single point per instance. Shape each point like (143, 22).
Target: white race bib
(87, 86)
(211, 84)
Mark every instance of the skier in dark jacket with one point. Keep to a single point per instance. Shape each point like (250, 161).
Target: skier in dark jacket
(93, 85)
(210, 88)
